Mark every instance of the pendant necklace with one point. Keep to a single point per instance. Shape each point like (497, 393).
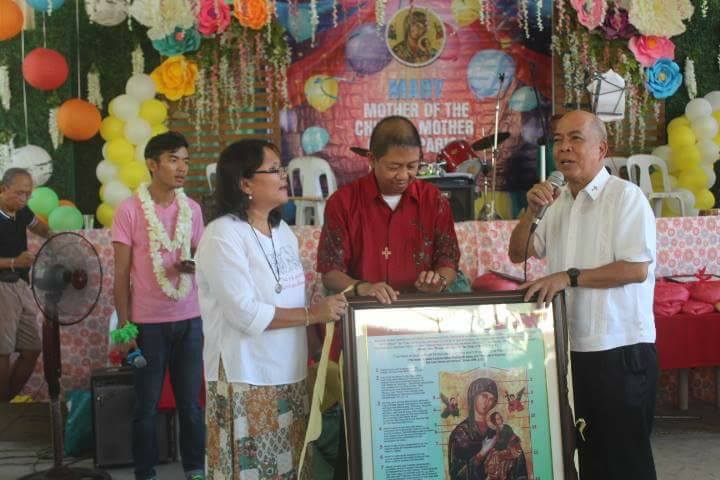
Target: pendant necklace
(278, 286)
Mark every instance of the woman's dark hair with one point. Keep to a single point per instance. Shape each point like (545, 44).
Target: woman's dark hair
(165, 142)
(394, 131)
(237, 161)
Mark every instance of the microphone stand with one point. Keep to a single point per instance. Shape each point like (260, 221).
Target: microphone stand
(545, 139)
(488, 209)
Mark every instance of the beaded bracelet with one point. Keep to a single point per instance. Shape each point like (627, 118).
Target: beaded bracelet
(125, 334)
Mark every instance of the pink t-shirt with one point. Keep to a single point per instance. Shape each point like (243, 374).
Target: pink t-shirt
(148, 303)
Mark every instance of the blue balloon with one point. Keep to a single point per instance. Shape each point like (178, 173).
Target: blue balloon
(483, 71)
(314, 139)
(46, 5)
(523, 100)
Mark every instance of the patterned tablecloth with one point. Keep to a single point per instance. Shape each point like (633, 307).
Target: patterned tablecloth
(684, 245)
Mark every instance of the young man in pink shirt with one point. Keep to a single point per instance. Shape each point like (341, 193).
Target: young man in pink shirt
(154, 234)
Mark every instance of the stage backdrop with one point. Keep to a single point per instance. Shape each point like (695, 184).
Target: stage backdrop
(435, 61)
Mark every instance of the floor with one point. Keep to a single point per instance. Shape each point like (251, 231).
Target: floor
(686, 444)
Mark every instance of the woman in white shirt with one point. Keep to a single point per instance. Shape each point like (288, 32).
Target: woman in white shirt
(251, 288)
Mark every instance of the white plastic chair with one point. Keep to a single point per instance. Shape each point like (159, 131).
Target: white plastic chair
(639, 171)
(310, 208)
(615, 164)
(210, 171)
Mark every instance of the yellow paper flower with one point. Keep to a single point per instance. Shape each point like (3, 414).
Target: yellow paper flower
(175, 77)
(253, 14)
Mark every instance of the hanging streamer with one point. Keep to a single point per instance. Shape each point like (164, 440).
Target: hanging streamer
(77, 38)
(25, 109)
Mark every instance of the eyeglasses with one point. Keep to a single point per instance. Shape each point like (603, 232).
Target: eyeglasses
(282, 171)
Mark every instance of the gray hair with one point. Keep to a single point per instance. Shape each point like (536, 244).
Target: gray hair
(11, 174)
(599, 127)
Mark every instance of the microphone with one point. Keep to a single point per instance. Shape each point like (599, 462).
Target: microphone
(557, 180)
(136, 359)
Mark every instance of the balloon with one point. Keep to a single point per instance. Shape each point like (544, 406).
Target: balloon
(713, 99)
(65, 218)
(678, 122)
(709, 151)
(78, 120)
(687, 198)
(692, 179)
(704, 199)
(465, 12)
(681, 136)
(366, 51)
(101, 193)
(35, 160)
(120, 151)
(698, 108)
(523, 100)
(156, 130)
(684, 158)
(124, 107)
(106, 171)
(45, 69)
(140, 153)
(11, 19)
(43, 201)
(483, 70)
(132, 175)
(66, 203)
(321, 92)
(137, 131)
(141, 87)
(710, 173)
(153, 111)
(107, 13)
(111, 128)
(46, 5)
(656, 179)
(704, 127)
(663, 151)
(105, 214)
(314, 139)
(115, 192)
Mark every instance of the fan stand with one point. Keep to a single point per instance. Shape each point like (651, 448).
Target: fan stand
(52, 368)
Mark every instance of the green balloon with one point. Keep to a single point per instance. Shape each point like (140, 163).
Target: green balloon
(43, 201)
(65, 218)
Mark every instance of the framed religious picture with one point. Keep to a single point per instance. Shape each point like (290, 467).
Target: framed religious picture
(458, 387)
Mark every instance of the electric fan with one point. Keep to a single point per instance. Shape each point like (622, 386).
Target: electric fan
(66, 284)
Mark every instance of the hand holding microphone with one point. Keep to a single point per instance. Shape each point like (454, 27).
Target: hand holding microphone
(542, 195)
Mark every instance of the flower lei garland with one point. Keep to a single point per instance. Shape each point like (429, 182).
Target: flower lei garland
(690, 80)
(160, 240)
(5, 94)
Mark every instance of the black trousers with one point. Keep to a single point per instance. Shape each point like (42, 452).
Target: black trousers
(615, 395)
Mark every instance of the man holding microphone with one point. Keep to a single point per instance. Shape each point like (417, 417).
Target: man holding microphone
(598, 236)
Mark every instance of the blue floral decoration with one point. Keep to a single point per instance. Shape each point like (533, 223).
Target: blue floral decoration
(178, 42)
(663, 78)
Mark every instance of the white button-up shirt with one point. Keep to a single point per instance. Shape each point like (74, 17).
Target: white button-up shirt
(608, 221)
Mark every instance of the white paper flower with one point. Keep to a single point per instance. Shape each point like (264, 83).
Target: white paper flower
(163, 16)
(660, 17)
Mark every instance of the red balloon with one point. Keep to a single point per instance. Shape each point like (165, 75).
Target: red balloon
(45, 69)
(78, 119)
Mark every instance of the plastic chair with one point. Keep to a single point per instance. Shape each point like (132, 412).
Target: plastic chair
(210, 171)
(615, 165)
(639, 171)
(310, 207)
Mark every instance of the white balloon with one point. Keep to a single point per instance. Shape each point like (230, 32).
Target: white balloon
(710, 172)
(709, 150)
(714, 99)
(137, 131)
(140, 152)
(141, 87)
(107, 13)
(688, 200)
(104, 150)
(115, 192)
(673, 182)
(35, 160)
(704, 128)
(124, 107)
(663, 151)
(698, 108)
(106, 171)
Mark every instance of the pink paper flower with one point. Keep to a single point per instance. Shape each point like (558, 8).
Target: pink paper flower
(214, 17)
(591, 13)
(648, 49)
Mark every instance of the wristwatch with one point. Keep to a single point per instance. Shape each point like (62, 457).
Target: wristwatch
(573, 273)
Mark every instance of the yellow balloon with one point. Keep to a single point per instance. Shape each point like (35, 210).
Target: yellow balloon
(111, 128)
(102, 193)
(465, 12)
(132, 174)
(120, 151)
(678, 121)
(692, 179)
(704, 199)
(716, 115)
(105, 214)
(158, 129)
(684, 158)
(153, 111)
(716, 139)
(681, 136)
(656, 179)
(666, 210)
(321, 92)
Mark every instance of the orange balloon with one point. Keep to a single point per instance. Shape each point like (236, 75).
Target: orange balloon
(11, 19)
(41, 218)
(78, 119)
(66, 203)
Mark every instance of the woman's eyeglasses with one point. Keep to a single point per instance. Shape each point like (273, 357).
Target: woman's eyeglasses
(282, 171)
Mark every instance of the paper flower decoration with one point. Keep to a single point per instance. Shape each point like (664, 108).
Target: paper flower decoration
(175, 77)
(178, 42)
(660, 17)
(162, 17)
(591, 13)
(252, 13)
(617, 24)
(663, 78)
(649, 49)
(214, 17)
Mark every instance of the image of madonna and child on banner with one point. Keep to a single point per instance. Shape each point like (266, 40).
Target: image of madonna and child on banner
(436, 62)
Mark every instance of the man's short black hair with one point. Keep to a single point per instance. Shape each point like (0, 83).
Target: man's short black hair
(165, 142)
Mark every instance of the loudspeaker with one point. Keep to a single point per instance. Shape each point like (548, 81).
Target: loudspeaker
(460, 192)
(112, 411)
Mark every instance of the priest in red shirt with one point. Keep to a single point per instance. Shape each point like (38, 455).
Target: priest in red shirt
(387, 232)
